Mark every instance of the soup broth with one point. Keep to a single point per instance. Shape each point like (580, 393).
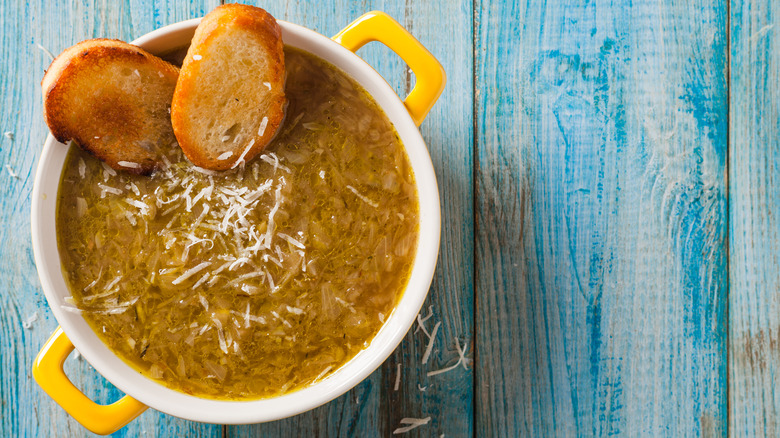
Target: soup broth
(258, 281)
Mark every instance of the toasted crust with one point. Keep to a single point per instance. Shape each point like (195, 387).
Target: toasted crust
(229, 100)
(112, 99)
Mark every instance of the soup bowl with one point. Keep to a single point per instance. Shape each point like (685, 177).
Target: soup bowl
(142, 392)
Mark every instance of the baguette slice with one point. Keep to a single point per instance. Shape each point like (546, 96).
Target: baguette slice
(229, 101)
(113, 99)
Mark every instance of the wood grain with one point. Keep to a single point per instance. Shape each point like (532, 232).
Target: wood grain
(754, 295)
(601, 218)
(373, 408)
(25, 409)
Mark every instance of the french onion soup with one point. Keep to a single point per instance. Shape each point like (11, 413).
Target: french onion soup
(257, 281)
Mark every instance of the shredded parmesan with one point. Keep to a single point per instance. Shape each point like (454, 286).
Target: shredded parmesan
(11, 171)
(243, 154)
(113, 282)
(346, 304)
(263, 125)
(239, 262)
(223, 345)
(29, 321)
(295, 310)
(201, 281)
(292, 241)
(196, 57)
(82, 168)
(107, 170)
(106, 189)
(363, 198)
(129, 164)
(203, 171)
(190, 272)
(273, 159)
(411, 423)
(94, 282)
(268, 85)
(461, 360)
(431, 340)
(225, 155)
(421, 322)
(325, 371)
(71, 309)
(46, 51)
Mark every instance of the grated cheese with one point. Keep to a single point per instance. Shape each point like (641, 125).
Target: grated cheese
(461, 360)
(201, 281)
(223, 345)
(71, 309)
(363, 198)
(412, 423)
(238, 262)
(203, 171)
(11, 171)
(29, 321)
(421, 322)
(268, 85)
(94, 282)
(295, 310)
(113, 282)
(225, 155)
(106, 189)
(82, 168)
(431, 340)
(129, 164)
(196, 57)
(190, 272)
(345, 304)
(325, 371)
(46, 51)
(273, 159)
(243, 154)
(107, 170)
(292, 241)
(263, 125)
(136, 203)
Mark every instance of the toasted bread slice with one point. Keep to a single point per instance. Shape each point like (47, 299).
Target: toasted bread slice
(112, 99)
(229, 101)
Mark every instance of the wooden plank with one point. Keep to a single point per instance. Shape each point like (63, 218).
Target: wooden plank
(373, 408)
(25, 409)
(601, 218)
(754, 295)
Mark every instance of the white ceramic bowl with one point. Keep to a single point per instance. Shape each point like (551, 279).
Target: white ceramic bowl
(157, 396)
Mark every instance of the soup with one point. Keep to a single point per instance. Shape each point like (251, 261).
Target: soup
(258, 281)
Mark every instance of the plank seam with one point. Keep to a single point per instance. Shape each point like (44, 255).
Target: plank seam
(474, 206)
(728, 218)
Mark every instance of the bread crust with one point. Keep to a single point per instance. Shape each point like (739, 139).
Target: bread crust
(246, 25)
(119, 119)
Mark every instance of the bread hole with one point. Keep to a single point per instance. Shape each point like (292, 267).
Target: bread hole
(127, 71)
(230, 132)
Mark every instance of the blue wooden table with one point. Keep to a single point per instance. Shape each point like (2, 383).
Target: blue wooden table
(611, 224)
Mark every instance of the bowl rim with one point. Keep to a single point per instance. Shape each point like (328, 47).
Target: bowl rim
(397, 324)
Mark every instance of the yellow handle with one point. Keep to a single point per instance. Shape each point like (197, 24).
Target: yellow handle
(378, 26)
(100, 419)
